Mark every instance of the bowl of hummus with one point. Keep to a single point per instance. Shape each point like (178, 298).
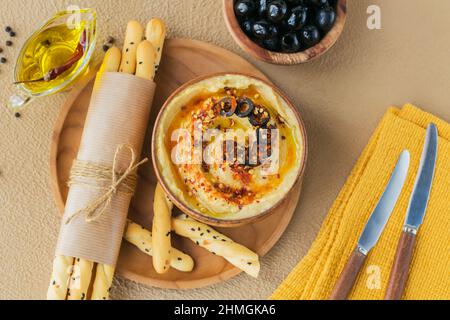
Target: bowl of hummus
(228, 149)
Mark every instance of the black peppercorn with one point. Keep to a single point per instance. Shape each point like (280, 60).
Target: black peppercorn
(8, 29)
(105, 48)
(3, 60)
(12, 34)
(9, 43)
(17, 115)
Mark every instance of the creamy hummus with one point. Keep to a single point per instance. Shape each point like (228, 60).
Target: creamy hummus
(226, 175)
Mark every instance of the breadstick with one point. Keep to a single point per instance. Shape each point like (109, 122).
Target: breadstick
(103, 280)
(132, 39)
(156, 34)
(145, 55)
(142, 239)
(162, 211)
(111, 61)
(59, 283)
(218, 244)
(80, 280)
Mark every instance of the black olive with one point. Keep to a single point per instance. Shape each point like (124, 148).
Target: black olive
(247, 26)
(262, 8)
(244, 8)
(294, 2)
(276, 10)
(325, 18)
(228, 106)
(245, 106)
(318, 3)
(310, 36)
(297, 18)
(290, 43)
(261, 29)
(272, 44)
(259, 117)
(273, 32)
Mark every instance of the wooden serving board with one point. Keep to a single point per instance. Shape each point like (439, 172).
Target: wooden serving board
(183, 60)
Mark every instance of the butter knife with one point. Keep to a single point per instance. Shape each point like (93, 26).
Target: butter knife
(414, 218)
(373, 229)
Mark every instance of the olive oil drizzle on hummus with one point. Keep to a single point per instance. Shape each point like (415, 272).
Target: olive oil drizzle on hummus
(234, 183)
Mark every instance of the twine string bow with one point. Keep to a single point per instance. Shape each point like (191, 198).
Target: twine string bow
(119, 182)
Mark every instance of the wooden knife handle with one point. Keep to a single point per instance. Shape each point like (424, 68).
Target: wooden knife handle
(348, 276)
(400, 269)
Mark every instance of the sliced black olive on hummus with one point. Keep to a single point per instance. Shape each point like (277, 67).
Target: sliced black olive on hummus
(245, 107)
(259, 117)
(228, 106)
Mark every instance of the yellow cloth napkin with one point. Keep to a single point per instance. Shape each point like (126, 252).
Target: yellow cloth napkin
(429, 277)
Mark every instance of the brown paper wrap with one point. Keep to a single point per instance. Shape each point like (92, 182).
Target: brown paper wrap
(118, 114)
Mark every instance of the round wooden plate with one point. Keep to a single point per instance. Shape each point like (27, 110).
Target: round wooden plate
(183, 60)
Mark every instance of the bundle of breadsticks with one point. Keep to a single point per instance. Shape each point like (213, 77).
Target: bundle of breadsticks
(103, 176)
(86, 273)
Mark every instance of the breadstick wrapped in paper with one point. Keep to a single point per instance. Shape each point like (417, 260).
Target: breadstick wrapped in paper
(104, 174)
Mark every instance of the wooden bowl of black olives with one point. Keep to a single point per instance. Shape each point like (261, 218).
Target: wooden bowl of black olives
(285, 31)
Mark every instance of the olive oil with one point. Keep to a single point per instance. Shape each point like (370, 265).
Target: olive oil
(47, 50)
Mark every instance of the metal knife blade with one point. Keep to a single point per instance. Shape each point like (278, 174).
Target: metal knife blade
(385, 206)
(422, 187)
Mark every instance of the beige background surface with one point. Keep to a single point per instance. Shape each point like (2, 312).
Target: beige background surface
(341, 96)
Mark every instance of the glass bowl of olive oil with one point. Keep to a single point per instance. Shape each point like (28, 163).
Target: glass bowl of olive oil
(55, 56)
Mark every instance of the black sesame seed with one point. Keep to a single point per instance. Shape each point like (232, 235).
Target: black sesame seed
(54, 282)
(104, 298)
(128, 62)
(8, 29)
(17, 115)
(223, 240)
(192, 229)
(3, 60)
(9, 43)
(126, 50)
(198, 243)
(146, 250)
(207, 230)
(131, 43)
(141, 62)
(179, 259)
(105, 48)
(201, 234)
(249, 263)
(12, 34)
